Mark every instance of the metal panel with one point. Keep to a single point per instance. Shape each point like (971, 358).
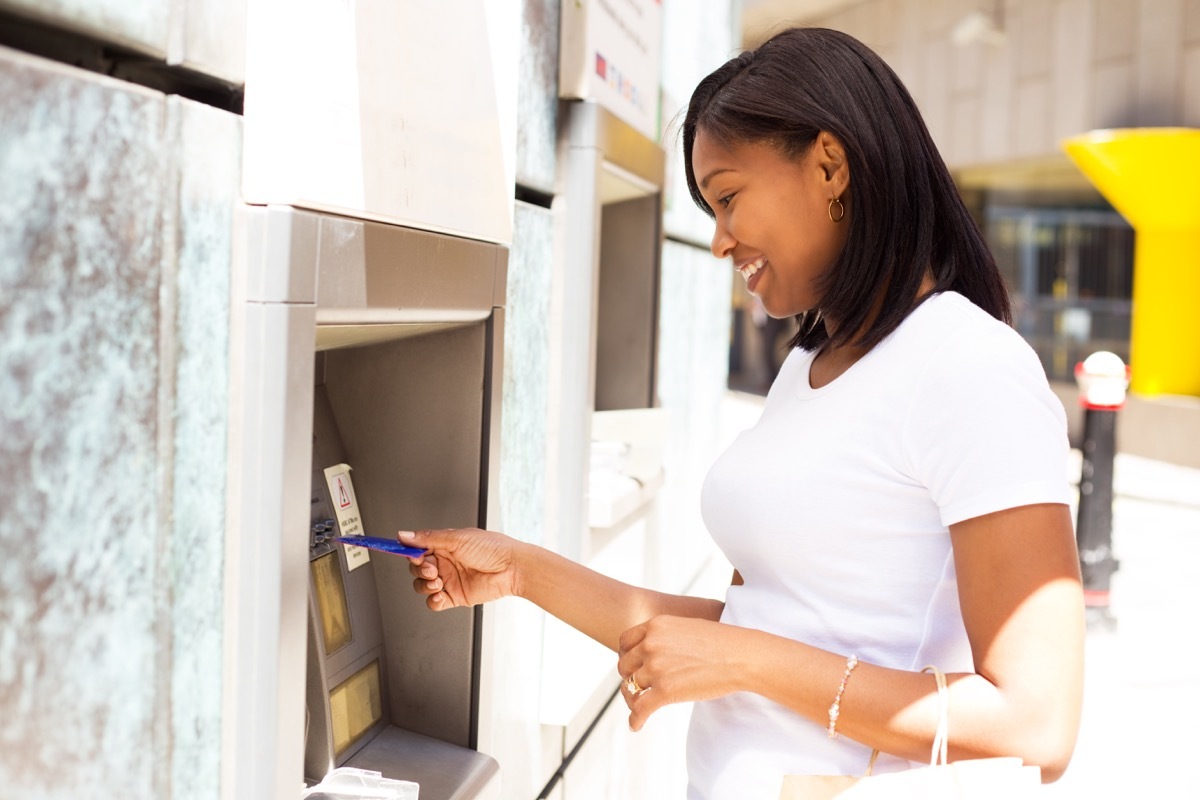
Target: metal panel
(443, 772)
(627, 318)
(591, 126)
(282, 255)
(267, 553)
(411, 417)
(402, 274)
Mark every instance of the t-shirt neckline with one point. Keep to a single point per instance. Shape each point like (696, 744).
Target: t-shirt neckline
(803, 388)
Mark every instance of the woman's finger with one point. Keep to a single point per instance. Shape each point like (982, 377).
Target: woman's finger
(642, 706)
(631, 638)
(422, 586)
(424, 567)
(629, 662)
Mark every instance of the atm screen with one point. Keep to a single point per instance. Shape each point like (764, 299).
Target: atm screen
(355, 705)
(331, 598)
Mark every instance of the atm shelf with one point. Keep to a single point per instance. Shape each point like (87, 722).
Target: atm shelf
(444, 771)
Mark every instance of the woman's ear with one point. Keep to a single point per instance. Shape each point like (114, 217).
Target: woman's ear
(831, 158)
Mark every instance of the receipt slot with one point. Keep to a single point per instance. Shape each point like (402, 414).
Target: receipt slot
(401, 376)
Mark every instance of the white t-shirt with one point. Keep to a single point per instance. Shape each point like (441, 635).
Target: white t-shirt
(834, 508)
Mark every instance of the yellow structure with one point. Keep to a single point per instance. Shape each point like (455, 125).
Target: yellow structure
(1152, 177)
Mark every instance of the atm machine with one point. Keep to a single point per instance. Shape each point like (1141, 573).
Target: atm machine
(405, 370)
(402, 417)
(367, 349)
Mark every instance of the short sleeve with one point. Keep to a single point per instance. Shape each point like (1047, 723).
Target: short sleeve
(985, 432)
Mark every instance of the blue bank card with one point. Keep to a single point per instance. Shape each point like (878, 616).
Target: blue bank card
(384, 545)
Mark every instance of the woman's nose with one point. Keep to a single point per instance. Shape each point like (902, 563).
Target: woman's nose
(722, 242)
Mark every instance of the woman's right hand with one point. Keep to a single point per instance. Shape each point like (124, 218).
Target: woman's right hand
(462, 567)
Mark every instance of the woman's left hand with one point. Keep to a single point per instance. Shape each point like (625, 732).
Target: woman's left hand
(679, 660)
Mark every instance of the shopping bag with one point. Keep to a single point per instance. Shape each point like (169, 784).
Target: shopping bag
(973, 779)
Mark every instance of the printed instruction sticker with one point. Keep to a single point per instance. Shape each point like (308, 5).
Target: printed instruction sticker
(345, 506)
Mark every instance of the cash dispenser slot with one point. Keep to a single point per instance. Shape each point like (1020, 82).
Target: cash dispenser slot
(403, 408)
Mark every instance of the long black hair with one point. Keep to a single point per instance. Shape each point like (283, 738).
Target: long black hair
(906, 217)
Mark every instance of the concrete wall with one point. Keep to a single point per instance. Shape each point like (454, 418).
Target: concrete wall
(115, 261)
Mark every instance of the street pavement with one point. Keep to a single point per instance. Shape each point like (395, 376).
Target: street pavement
(1141, 715)
(1142, 684)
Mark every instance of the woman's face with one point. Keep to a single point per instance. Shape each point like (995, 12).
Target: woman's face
(772, 215)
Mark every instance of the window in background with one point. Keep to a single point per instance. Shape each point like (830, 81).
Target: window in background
(1070, 272)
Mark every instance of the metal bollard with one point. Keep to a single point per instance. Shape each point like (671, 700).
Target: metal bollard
(1103, 379)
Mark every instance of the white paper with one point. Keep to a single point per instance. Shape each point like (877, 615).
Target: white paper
(345, 507)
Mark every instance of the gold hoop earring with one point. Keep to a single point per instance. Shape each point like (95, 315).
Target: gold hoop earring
(841, 215)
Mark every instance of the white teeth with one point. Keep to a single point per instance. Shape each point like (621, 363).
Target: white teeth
(748, 270)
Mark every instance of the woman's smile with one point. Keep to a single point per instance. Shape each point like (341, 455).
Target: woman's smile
(751, 271)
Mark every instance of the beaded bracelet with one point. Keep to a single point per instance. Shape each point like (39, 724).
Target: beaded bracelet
(835, 709)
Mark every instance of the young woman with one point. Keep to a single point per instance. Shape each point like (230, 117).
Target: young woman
(901, 502)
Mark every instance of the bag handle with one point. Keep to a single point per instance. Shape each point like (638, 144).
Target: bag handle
(941, 736)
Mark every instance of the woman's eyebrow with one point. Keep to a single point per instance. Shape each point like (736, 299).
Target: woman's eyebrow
(713, 174)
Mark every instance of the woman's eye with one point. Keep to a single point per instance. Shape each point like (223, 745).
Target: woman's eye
(724, 201)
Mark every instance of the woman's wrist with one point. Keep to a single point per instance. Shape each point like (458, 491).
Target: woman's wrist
(750, 656)
(520, 554)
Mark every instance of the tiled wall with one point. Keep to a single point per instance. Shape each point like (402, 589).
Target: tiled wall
(208, 152)
(114, 300)
(537, 95)
(523, 465)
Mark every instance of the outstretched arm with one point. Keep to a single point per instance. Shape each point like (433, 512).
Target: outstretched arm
(467, 567)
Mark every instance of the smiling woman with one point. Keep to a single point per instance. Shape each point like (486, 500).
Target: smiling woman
(901, 502)
(776, 215)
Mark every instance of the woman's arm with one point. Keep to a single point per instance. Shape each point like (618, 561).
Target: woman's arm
(595, 604)
(467, 567)
(1019, 587)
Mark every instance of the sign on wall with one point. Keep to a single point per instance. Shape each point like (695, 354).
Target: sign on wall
(611, 53)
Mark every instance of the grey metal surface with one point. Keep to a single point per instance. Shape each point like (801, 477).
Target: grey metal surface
(574, 347)
(411, 417)
(589, 125)
(367, 632)
(371, 272)
(627, 313)
(445, 772)
(281, 255)
(267, 568)
(596, 140)
(318, 729)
